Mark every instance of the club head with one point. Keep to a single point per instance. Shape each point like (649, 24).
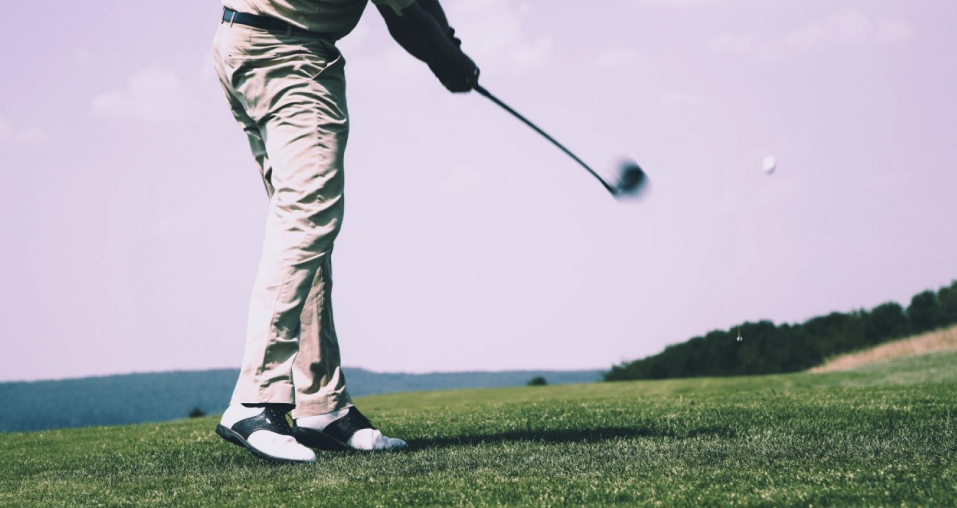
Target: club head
(631, 179)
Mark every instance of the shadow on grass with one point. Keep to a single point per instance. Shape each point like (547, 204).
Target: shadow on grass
(566, 436)
(553, 436)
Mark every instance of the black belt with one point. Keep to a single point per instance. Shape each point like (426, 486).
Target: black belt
(264, 22)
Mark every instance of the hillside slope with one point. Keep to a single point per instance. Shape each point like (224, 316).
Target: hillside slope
(883, 435)
(927, 343)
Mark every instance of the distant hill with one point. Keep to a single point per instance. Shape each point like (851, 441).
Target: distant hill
(138, 398)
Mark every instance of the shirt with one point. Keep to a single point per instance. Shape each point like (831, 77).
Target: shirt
(335, 18)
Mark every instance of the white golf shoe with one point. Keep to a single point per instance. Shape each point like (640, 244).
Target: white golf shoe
(263, 431)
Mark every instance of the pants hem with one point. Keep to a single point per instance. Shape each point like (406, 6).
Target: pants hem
(276, 393)
(317, 408)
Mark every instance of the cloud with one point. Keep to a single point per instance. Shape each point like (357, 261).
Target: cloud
(847, 27)
(12, 135)
(459, 182)
(533, 51)
(81, 55)
(152, 95)
(850, 27)
(398, 63)
(730, 43)
(676, 98)
(617, 58)
(496, 30)
(674, 3)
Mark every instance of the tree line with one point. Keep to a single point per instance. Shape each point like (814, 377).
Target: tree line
(767, 348)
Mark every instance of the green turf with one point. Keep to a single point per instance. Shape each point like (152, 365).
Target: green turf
(885, 435)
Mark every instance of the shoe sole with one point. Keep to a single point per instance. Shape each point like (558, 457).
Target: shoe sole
(233, 437)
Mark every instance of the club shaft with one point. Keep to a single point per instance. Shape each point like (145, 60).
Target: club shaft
(526, 121)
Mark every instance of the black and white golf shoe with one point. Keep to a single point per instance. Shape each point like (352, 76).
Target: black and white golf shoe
(346, 429)
(264, 432)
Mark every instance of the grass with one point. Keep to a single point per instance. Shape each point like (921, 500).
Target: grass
(882, 435)
(931, 342)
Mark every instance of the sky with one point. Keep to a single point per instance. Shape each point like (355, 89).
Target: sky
(133, 213)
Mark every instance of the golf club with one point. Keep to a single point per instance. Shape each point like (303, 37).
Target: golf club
(631, 178)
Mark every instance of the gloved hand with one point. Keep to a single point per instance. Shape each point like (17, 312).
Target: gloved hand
(462, 83)
(457, 72)
(455, 40)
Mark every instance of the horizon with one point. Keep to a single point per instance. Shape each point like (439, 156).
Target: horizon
(345, 368)
(134, 221)
(440, 372)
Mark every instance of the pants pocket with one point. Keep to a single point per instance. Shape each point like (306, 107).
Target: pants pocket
(318, 55)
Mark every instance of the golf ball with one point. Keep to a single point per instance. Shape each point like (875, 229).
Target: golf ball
(770, 164)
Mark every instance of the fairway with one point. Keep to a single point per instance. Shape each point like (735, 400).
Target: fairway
(882, 435)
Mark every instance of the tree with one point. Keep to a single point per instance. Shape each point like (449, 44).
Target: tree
(883, 322)
(767, 348)
(537, 381)
(196, 413)
(947, 296)
(925, 312)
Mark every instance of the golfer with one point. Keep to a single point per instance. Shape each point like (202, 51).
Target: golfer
(283, 76)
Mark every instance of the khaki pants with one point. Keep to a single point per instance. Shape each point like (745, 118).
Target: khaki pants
(288, 94)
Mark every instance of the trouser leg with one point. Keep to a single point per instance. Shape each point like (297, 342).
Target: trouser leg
(292, 106)
(317, 374)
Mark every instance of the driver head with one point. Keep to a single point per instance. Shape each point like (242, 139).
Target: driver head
(631, 179)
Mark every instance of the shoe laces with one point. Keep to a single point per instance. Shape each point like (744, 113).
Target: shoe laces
(276, 415)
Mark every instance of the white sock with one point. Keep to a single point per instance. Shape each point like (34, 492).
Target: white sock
(320, 422)
(372, 439)
(237, 412)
